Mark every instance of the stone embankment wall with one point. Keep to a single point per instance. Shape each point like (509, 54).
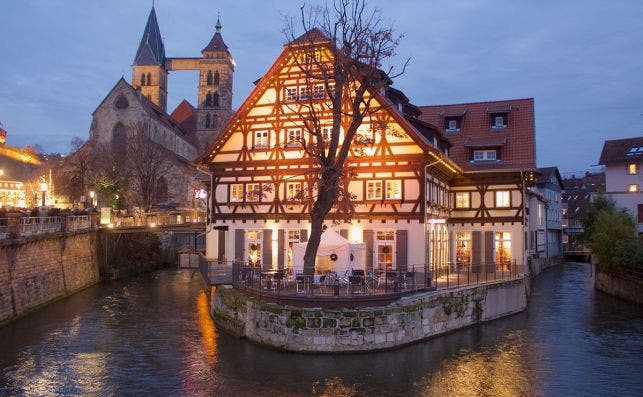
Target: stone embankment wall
(36, 270)
(408, 320)
(619, 286)
(537, 265)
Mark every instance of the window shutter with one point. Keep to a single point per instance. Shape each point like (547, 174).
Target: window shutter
(222, 245)
(476, 250)
(303, 235)
(344, 233)
(488, 251)
(239, 247)
(401, 254)
(266, 255)
(281, 238)
(368, 241)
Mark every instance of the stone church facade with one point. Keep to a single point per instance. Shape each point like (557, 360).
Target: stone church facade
(185, 132)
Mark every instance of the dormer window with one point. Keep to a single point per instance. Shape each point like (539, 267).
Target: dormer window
(484, 155)
(452, 124)
(634, 150)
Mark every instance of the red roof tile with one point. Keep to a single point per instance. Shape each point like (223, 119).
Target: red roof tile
(618, 150)
(519, 149)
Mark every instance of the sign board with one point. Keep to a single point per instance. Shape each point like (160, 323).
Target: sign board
(105, 215)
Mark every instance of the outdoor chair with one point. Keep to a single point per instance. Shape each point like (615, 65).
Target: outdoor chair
(356, 285)
(322, 283)
(300, 283)
(279, 280)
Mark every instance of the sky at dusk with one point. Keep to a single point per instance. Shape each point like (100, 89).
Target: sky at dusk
(582, 61)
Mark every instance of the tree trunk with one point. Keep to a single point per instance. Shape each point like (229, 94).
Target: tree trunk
(328, 192)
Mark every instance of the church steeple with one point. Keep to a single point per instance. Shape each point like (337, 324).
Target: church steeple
(216, 44)
(151, 50)
(149, 74)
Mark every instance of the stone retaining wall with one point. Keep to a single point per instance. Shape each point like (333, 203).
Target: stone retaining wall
(36, 270)
(410, 319)
(619, 286)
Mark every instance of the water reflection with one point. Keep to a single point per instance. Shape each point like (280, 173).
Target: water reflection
(153, 335)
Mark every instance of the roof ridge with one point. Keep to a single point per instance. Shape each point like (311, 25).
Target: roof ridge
(476, 103)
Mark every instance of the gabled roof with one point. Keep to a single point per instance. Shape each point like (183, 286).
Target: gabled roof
(546, 173)
(216, 43)
(150, 108)
(619, 150)
(518, 140)
(313, 36)
(262, 85)
(185, 116)
(151, 50)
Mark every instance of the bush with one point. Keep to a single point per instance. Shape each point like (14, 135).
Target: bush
(613, 239)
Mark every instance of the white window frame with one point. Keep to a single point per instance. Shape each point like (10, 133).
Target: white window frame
(304, 93)
(633, 188)
(502, 198)
(318, 92)
(236, 192)
(327, 133)
(251, 192)
(452, 125)
(385, 237)
(372, 188)
(397, 189)
(293, 137)
(261, 139)
(502, 119)
(485, 155)
(257, 238)
(292, 190)
(460, 201)
(632, 169)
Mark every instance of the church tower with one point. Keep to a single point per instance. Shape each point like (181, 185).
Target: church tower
(216, 68)
(149, 74)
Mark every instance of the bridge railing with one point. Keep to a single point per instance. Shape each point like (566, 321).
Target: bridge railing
(152, 219)
(78, 222)
(36, 225)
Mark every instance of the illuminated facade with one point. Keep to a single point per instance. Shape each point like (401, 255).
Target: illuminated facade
(17, 168)
(413, 203)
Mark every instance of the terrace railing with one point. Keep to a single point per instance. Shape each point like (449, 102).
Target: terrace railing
(78, 222)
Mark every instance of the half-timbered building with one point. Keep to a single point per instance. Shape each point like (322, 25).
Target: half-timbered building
(413, 204)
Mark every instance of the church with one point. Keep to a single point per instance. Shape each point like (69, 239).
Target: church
(185, 131)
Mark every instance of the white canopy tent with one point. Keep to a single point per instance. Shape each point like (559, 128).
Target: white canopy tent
(348, 255)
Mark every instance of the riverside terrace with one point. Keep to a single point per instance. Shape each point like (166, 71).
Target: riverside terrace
(352, 288)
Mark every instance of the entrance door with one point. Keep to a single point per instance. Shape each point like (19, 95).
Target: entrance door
(384, 256)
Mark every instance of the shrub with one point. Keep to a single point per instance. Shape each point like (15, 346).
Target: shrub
(613, 239)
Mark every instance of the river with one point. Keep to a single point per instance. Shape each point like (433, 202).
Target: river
(153, 335)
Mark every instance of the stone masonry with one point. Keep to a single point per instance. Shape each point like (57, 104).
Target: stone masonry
(36, 270)
(408, 320)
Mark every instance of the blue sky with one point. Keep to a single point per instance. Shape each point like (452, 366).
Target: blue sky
(581, 60)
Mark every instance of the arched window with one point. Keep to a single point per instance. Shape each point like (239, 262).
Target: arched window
(207, 121)
(209, 78)
(215, 99)
(208, 99)
(216, 77)
(149, 79)
(142, 78)
(215, 120)
(121, 102)
(119, 142)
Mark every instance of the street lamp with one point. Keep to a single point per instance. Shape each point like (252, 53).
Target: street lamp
(43, 189)
(92, 194)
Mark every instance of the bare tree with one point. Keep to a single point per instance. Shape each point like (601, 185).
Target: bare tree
(147, 165)
(76, 173)
(340, 56)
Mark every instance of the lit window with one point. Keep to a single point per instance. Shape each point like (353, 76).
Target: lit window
(261, 140)
(482, 155)
(633, 187)
(291, 94)
(293, 191)
(503, 248)
(502, 198)
(374, 190)
(632, 169)
(236, 192)
(253, 191)
(254, 239)
(385, 235)
(462, 200)
(294, 138)
(393, 189)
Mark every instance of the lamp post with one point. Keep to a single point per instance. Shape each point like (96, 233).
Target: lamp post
(43, 189)
(92, 194)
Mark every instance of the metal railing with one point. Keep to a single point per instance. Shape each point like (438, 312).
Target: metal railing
(173, 218)
(31, 226)
(355, 282)
(4, 228)
(78, 222)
